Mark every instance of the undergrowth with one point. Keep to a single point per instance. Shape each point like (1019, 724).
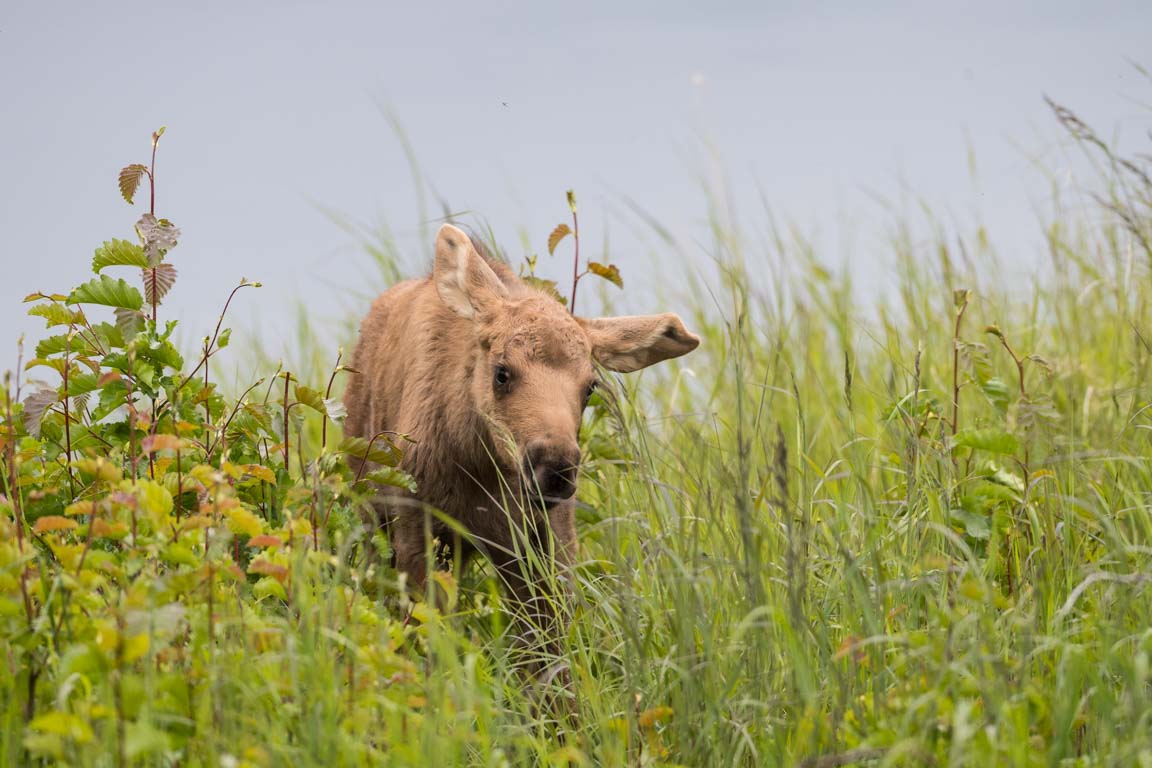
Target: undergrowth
(913, 533)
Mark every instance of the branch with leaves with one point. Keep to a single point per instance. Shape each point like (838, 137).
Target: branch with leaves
(609, 272)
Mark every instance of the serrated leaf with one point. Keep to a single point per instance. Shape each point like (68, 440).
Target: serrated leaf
(81, 384)
(991, 440)
(46, 296)
(562, 231)
(50, 523)
(329, 407)
(118, 253)
(310, 397)
(380, 451)
(609, 272)
(241, 521)
(154, 443)
(158, 280)
(129, 179)
(111, 292)
(269, 587)
(545, 286)
(129, 321)
(55, 345)
(35, 405)
(392, 477)
(269, 568)
(158, 235)
(57, 314)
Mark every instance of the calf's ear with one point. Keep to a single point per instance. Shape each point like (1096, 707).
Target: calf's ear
(465, 282)
(627, 344)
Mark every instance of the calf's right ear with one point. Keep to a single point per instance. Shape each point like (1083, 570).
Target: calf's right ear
(626, 344)
(465, 282)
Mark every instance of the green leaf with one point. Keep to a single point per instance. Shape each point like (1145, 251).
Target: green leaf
(118, 253)
(55, 345)
(63, 724)
(609, 272)
(158, 235)
(143, 738)
(57, 314)
(544, 286)
(329, 407)
(572, 200)
(379, 451)
(111, 292)
(269, 587)
(163, 354)
(997, 392)
(562, 231)
(392, 477)
(975, 525)
(991, 440)
(157, 282)
(82, 383)
(129, 322)
(129, 179)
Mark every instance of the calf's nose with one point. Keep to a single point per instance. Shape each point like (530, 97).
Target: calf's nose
(552, 467)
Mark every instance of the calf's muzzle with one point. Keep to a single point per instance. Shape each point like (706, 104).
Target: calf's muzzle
(551, 468)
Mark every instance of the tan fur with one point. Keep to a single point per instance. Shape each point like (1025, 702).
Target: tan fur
(427, 354)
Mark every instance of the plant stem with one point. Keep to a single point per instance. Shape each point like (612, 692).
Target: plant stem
(287, 456)
(575, 261)
(956, 368)
(68, 421)
(327, 395)
(208, 347)
(152, 178)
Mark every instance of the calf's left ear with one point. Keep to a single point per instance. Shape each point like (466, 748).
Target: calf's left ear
(465, 282)
(627, 344)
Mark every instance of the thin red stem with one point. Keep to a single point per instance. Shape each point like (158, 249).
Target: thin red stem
(575, 261)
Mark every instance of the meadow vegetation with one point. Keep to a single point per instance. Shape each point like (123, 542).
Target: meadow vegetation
(916, 531)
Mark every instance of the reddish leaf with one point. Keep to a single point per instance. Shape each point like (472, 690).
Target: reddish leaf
(562, 231)
(53, 523)
(130, 176)
(157, 282)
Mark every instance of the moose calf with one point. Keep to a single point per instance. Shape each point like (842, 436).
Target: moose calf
(489, 377)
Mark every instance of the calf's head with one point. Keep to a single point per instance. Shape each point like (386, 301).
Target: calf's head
(533, 364)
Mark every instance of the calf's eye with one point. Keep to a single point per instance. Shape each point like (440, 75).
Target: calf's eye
(501, 377)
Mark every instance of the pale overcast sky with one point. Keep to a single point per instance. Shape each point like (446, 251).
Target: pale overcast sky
(275, 111)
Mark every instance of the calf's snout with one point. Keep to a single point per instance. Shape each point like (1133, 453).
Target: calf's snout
(552, 468)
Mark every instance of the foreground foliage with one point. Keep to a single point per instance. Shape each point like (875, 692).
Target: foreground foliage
(911, 534)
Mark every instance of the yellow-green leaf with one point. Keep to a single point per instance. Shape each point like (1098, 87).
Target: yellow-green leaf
(609, 272)
(241, 521)
(562, 231)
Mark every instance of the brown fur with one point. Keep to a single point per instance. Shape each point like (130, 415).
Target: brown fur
(427, 354)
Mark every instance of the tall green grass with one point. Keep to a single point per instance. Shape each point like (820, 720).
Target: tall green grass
(798, 547)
